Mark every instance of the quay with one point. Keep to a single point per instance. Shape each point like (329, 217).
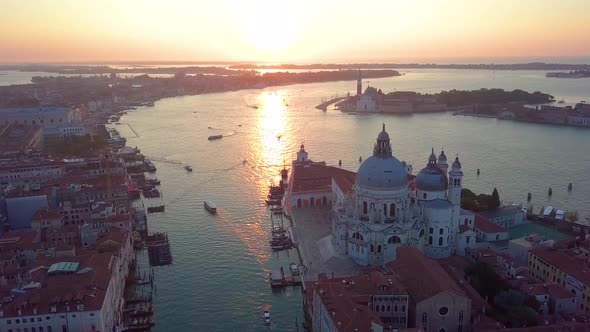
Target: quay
(278, 278)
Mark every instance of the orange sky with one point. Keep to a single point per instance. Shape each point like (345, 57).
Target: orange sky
(283, 31)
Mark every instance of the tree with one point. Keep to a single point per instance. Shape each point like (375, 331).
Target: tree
(485, 280)
(572, 216)
(494, 200)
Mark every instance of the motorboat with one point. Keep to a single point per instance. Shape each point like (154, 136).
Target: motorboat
(266, 317)
(210, 206)
(214, 137)
(188, 168)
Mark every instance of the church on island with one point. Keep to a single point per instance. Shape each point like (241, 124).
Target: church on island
(384, 206)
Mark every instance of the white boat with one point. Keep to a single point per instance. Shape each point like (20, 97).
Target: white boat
(266, 317)
(210, 206)
(548, 210)
(188, 168)
(560, 215)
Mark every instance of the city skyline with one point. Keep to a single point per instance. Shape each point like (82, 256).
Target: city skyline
(302, 31)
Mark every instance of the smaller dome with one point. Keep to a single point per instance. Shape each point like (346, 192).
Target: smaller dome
(431, 179)
(442, 156)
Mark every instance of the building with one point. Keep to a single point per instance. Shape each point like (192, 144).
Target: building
(29, 172)
(84, 293)
(358, 303)
(412, 292)
(22, 204)
(382, 211)
(506, 216)
(488, 231)
(43, 116)
(16, 139)
(437, 302)
(554, 298)
(566, 267)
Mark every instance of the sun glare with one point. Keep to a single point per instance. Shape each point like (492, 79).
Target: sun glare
(270, 26)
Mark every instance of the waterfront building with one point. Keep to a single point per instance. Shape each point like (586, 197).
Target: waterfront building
(382, 211)
(554, 298)
(21, 173)
(82, 293)
(43, 116)
(506, 216)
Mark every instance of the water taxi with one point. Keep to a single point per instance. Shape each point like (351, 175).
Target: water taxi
(266, 317)
(188, 168)
(210, 206)
(214, 137)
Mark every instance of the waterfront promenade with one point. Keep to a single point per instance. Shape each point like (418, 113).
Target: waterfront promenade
(313, 230)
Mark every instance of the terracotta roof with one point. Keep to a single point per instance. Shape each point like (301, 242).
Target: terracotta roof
(347, 298)
(555, 290)
(463, 229)
(423, 277)
(566, 262)
(487, 226)
(45, 213)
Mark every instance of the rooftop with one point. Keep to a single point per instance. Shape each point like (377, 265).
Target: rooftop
(565, 261)
(485, 225)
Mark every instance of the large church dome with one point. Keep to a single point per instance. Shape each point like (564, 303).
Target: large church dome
(382, 171)
(431, 178)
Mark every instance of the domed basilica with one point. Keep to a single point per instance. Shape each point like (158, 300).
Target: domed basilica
(387, 207)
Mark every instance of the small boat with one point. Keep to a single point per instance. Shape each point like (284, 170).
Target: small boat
(266, 317)
(294, 269)
(153, 209)
(214, 137)
(529, 196)
(188, 168)
(559, 215)
(550, 192)
(569, 187)
(360, 159)
(210, 206)
(478, 171)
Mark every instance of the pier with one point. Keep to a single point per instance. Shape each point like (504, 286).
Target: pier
(324, 105)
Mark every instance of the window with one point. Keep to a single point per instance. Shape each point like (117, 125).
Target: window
(372, 248)
(424, 319)
(379, 249)
(467, 239)
(32, 320)
(424, 195)
(431, 230)
(8, 322)
(440, 241)
(394, 239)
(48, 328)
(365, 207)
(430, 240)
(395, 308)
(443, 311)
(385, 210)
(441, 231)
(403, 308)
(388, 308)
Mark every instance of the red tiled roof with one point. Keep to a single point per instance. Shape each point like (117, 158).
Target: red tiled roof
(487, 226)
(45, 213)
(423, 277)
(311, 177)
(566, 262)
(463, 228)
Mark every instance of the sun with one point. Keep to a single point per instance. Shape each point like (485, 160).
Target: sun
(270, 26)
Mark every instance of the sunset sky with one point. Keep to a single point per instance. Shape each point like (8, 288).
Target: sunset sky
(290, 31)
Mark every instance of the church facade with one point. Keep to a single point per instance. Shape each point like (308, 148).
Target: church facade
(384, 210)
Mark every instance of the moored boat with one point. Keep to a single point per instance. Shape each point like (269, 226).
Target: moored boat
(188, 168)
(266, 317)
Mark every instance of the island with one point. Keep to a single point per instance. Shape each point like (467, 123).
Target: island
(571, 74)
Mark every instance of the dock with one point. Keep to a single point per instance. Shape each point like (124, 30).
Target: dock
(324, 105)
(278, 278)
(159, 252)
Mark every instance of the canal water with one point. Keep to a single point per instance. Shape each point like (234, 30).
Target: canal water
(218, 281)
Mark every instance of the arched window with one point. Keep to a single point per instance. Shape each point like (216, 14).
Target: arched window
(392, 210)
(379, 249)
(394, 239)
(358, 236)
(365, 207)
(388, 308)
(372, 206)
(395, 308)
(430, 240)
(385, 210)
(440, 241)
(383, 307)
(372, 248)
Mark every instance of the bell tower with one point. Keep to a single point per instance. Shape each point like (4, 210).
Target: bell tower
(302, 154)
(359, 84)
